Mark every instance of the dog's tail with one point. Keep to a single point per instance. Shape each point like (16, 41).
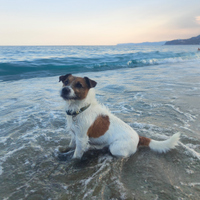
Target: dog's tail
(160, 146)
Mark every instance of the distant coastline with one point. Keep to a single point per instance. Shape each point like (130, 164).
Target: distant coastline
(144, 43)
(190, 41)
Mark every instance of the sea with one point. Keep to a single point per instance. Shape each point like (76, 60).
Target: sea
(154, 89)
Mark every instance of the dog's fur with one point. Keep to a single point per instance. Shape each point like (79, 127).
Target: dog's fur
(96, 127)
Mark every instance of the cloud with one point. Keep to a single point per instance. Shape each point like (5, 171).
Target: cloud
(197, 19)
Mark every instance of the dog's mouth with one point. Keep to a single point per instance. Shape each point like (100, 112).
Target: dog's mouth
(66, 97)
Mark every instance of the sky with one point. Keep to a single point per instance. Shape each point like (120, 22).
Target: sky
(97, 22)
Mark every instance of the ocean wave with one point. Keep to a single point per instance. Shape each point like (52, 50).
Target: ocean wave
(41, 63)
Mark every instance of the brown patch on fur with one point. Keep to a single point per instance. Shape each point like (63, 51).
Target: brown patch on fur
(99, 127)
(80, 88)
(143, 141)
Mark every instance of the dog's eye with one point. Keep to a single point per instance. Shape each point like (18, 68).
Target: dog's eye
(66, 82)
(79, 85)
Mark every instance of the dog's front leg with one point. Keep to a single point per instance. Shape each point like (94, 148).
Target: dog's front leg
(81, 146)
(72, 143)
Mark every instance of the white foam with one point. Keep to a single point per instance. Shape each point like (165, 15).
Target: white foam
(64, 186)
(4, 158)
(193, 184)
(193, 146)
(10, 153)
(190, 138)
(142, 125)
(103, 165)
(121, 189)
(189, 116)
(88, 193)
(157, 61)
(3, 140)
(190, 151)
(27, 162)
(189, 171)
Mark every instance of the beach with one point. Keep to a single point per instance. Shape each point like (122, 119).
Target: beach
(154, 89)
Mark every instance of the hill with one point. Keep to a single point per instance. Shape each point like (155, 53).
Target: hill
(190, 41)
(143, 43)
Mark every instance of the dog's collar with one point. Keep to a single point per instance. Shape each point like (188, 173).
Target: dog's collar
(75, 113)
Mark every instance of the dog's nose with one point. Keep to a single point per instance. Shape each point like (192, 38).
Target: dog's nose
(65, 91)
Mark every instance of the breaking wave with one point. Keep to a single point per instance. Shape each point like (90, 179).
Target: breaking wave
(48, 61)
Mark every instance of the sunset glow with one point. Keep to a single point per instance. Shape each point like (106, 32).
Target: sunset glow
(89, 22)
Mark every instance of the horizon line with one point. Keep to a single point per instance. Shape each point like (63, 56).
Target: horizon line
(58, 45)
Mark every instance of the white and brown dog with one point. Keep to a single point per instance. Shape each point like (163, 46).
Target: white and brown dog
(92, 125)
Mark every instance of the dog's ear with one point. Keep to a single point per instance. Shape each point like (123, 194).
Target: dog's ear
(90, 82)
(62, 78)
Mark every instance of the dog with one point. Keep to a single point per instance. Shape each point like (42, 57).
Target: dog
(92, 126)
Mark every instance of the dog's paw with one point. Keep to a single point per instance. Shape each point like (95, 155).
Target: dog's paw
(77, 156)
(64, 150)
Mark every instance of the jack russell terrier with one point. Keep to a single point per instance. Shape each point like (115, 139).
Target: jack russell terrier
(92, 125)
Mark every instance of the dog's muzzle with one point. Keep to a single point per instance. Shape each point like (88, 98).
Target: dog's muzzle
(65, 92)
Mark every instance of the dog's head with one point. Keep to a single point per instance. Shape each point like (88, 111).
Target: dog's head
(75, 88)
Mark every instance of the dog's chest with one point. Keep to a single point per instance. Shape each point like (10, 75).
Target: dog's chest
(77, 126)
(72, 124)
